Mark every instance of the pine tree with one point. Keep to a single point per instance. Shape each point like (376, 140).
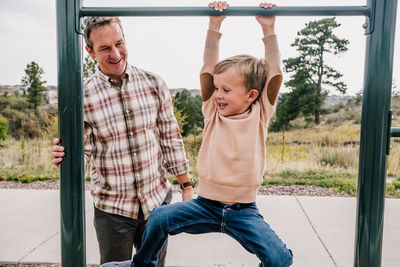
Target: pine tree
(311, 76)
(35, 86)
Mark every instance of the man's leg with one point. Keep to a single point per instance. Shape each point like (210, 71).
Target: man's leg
(115, 235)
(247, 226)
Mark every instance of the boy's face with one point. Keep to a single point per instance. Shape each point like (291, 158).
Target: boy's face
(109, 50)
(231, 97)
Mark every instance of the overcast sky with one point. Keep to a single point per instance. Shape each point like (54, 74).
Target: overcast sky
(172, 46)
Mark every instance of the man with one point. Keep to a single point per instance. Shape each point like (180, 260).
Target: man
(133, 138)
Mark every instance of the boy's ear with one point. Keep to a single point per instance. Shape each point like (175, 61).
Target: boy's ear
(252, 95)
(90, 52)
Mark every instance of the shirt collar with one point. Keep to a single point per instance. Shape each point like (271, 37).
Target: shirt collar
(106, 78)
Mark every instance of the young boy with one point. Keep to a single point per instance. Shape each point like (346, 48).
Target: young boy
(239, 95)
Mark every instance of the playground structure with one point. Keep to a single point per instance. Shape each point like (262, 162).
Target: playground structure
(375, 122)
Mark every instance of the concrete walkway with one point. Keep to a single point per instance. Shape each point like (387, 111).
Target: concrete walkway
(319, 230)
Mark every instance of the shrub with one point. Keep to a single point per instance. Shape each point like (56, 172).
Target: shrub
(3, 128)
(338, 157)
(335, 119)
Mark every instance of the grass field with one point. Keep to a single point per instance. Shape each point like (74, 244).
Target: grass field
(325, 155)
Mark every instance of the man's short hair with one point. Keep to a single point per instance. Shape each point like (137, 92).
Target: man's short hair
(91, 23)
(251, 68)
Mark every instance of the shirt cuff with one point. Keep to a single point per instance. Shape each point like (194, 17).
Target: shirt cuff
(179, 169)
(271, 43)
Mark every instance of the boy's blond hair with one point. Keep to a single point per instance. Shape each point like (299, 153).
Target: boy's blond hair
(251, 68)
(91, 23)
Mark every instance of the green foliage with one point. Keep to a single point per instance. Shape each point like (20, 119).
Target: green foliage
(26, 178)
(89, 67)
(35, 86)
(311, 76)
(22, 120)
(338, 181)
(393, 189)
(180, 117)
(190, 108)
(286, 111)
(3, 128)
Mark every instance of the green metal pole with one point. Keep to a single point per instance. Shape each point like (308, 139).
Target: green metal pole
(70, 114)
(375, 131)
(232, 11)
(395, 132)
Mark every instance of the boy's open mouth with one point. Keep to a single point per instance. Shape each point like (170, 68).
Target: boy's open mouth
(221, 105)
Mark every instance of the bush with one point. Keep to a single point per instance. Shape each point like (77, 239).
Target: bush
(3, 128)
(336, 119)
(338, 157)
(23, 120)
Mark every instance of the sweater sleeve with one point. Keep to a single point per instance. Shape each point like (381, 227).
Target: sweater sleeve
(210, 59)
(274, 77)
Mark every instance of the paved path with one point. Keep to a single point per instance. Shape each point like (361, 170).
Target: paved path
(319, 230)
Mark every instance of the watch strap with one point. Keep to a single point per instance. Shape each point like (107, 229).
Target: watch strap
(186, 184)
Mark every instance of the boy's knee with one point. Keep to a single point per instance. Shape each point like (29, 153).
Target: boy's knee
(158, 216)
(284, 259)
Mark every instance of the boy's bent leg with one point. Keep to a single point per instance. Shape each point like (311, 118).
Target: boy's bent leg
(138, 241)
(248, 227)
(189, 216)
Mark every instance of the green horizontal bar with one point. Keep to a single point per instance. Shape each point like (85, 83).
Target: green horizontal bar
(395, 132)
(231, 11)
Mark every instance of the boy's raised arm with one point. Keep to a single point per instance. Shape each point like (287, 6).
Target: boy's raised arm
(272, 56)
(211, 51)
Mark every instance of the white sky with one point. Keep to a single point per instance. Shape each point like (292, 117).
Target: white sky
(172, 46)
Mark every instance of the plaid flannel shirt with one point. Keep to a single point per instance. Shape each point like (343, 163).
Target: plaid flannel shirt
(133, 140)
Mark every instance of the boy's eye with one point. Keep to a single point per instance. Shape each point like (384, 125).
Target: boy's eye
(226, 90)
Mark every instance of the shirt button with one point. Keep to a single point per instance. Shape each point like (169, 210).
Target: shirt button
(131, 133)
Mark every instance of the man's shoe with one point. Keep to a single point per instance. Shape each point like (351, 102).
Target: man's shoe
(117, 264)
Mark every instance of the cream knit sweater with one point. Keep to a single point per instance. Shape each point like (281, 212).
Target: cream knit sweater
(232, 155)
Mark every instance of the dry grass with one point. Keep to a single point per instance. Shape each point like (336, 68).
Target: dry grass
(320, 151)
(29, 159)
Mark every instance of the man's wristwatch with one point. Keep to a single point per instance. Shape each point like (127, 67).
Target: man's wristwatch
(186, 184)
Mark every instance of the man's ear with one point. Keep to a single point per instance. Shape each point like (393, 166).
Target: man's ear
(90, 52)
(252, 95)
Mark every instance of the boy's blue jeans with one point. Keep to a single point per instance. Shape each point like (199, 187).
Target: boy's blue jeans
(243, 222)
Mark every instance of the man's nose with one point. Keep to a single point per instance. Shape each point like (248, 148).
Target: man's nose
(115, 54)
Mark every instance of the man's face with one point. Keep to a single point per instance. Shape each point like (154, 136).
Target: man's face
(109, 50)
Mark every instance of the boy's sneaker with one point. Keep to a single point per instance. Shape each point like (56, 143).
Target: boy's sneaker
(117, 264)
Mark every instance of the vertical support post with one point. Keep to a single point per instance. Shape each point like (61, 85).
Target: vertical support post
(70, 115)
(374, 133)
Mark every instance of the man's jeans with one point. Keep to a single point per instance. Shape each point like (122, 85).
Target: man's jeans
(243, 222)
